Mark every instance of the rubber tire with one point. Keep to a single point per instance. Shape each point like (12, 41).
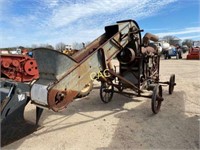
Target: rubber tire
(165, 56)
(171, 83)
(101, 93)
(180, 55)
(156, 105)
(177, 56)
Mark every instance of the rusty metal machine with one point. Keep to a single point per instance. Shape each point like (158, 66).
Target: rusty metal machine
(17, 72)
(62, 76)
(21, 68)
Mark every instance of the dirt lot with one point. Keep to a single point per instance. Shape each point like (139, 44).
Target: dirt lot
(124, 123)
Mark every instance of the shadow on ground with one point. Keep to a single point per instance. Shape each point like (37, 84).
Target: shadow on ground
(15, 128)
(174, 130)
(169, 129)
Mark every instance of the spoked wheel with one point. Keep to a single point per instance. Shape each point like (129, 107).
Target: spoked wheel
(171, 83)
(106, 92)
(121, 87)
(156, 99)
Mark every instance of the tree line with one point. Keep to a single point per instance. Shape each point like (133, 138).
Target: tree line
(78, 46)
(61, 46)
(172, 40)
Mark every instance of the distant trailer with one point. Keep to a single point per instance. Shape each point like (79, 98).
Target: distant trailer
(194, 52)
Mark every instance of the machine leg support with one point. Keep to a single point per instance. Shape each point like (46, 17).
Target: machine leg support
(38, 114)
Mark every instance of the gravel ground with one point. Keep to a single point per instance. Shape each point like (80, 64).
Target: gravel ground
(124, 123)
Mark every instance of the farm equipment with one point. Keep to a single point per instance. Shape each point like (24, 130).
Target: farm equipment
(14, 97)
(21, 68)
(194, 52)
(169, 50)
(17, 74)
(173, 52)
(61, 79)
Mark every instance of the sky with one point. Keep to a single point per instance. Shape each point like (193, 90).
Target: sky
(35, 22)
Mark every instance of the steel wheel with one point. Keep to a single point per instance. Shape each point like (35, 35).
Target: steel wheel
(106, 92)
(121, 87)
(156, 99)
(171, 83)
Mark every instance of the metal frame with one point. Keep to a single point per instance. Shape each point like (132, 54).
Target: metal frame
(63, 77)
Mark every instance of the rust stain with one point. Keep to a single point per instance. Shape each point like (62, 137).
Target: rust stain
(58, 100)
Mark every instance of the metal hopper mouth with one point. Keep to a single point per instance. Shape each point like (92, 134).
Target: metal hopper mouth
(51, 63)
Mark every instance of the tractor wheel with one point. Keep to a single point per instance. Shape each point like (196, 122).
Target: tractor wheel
(156, 99)
(106, 92)
(165, 56)
(171, 83)
(177, 56)
(180, 55)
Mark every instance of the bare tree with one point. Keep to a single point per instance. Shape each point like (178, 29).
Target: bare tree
(172, 40)
(188, 42)
(77, 45)
(34, 46)
(88, 42)
(47, 46)
(60, 46)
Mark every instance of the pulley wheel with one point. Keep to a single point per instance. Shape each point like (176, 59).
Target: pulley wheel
(31, 67)
(5, 64)
(106, 92)
(15, 63)
(171, 83)
(156, 99)
(121, 88)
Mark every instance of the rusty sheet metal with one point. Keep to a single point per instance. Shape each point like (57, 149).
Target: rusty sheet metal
(148, 36)
(149, 49)
(72, 80)
(80, 55)
(52, 64)
(58, 100)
